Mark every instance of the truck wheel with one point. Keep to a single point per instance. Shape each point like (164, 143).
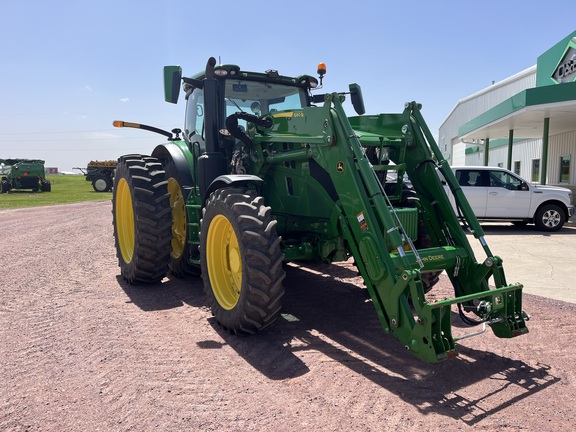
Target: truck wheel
(141, 218)
(102, 184)
(3, 186)
(549, 217)
(46, 186)
(241, 260)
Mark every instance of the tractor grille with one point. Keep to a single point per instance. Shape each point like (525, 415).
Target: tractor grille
(409, 220)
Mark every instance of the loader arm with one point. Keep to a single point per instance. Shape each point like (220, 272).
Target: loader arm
(425, 329)
(374, 230)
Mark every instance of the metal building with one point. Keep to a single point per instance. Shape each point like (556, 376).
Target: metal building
(526, 123)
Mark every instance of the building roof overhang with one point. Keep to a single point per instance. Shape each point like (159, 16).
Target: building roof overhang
(524, 113)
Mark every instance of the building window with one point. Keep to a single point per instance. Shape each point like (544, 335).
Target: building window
(565, 169)
(517, 167)
(536, 170)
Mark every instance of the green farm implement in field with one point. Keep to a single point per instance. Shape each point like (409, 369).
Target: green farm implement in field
(24, 174)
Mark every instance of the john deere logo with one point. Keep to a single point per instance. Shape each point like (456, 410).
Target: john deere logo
(566, 70)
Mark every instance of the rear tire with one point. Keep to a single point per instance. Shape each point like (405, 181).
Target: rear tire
(241, 260)
(179, 257)
(549, 218)
(142, 219)
(102, 184)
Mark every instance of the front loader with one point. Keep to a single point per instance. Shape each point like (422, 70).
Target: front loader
(266, 172)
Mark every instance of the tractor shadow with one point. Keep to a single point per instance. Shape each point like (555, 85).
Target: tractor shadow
(322, 313)
(325, 311)
(170, 293)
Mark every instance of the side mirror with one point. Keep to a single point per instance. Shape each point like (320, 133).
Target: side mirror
(318, 98)
(172, 80)
(356, 98)
(523, 186)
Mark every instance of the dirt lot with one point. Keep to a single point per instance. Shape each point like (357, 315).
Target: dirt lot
(80, 350)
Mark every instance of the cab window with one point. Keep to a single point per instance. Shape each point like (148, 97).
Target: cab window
(194, 121)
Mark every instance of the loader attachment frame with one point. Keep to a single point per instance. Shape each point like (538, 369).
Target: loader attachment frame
(423, 327)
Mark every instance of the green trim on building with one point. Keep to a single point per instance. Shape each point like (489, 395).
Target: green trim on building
(499, 142)
(525, 99)
(472, 150)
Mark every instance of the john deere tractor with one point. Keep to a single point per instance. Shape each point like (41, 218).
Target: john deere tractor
(268, 170)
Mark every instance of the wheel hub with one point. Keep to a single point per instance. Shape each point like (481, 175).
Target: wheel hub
(100, 184)
(551, 218)
(178, 218)
(125, 221)
(224, 261)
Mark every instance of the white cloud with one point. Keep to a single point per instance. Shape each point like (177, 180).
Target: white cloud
(124, 99)
(88, 88)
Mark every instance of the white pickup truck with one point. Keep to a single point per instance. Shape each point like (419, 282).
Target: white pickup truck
(496, 194)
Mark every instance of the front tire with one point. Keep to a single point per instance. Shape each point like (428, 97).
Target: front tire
(241, 260)
(549, 218)
(141, 218)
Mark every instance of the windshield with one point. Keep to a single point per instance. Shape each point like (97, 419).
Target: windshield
(261, 98)
(250, 97)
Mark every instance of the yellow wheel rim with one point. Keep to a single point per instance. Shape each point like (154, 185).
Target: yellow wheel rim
(125, 221)
(178, 218)
(224, 262)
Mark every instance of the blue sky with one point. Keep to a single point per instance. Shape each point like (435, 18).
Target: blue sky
(69, 68)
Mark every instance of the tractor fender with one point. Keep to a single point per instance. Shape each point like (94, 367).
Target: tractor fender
(183, 159)
(230, 180)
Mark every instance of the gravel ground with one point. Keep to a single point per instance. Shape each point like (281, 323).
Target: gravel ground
(81, 350)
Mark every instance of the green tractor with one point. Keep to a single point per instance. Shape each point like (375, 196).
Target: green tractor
(24, 174)
(265, 172)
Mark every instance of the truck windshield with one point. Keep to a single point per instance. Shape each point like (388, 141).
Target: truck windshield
(261, 98)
